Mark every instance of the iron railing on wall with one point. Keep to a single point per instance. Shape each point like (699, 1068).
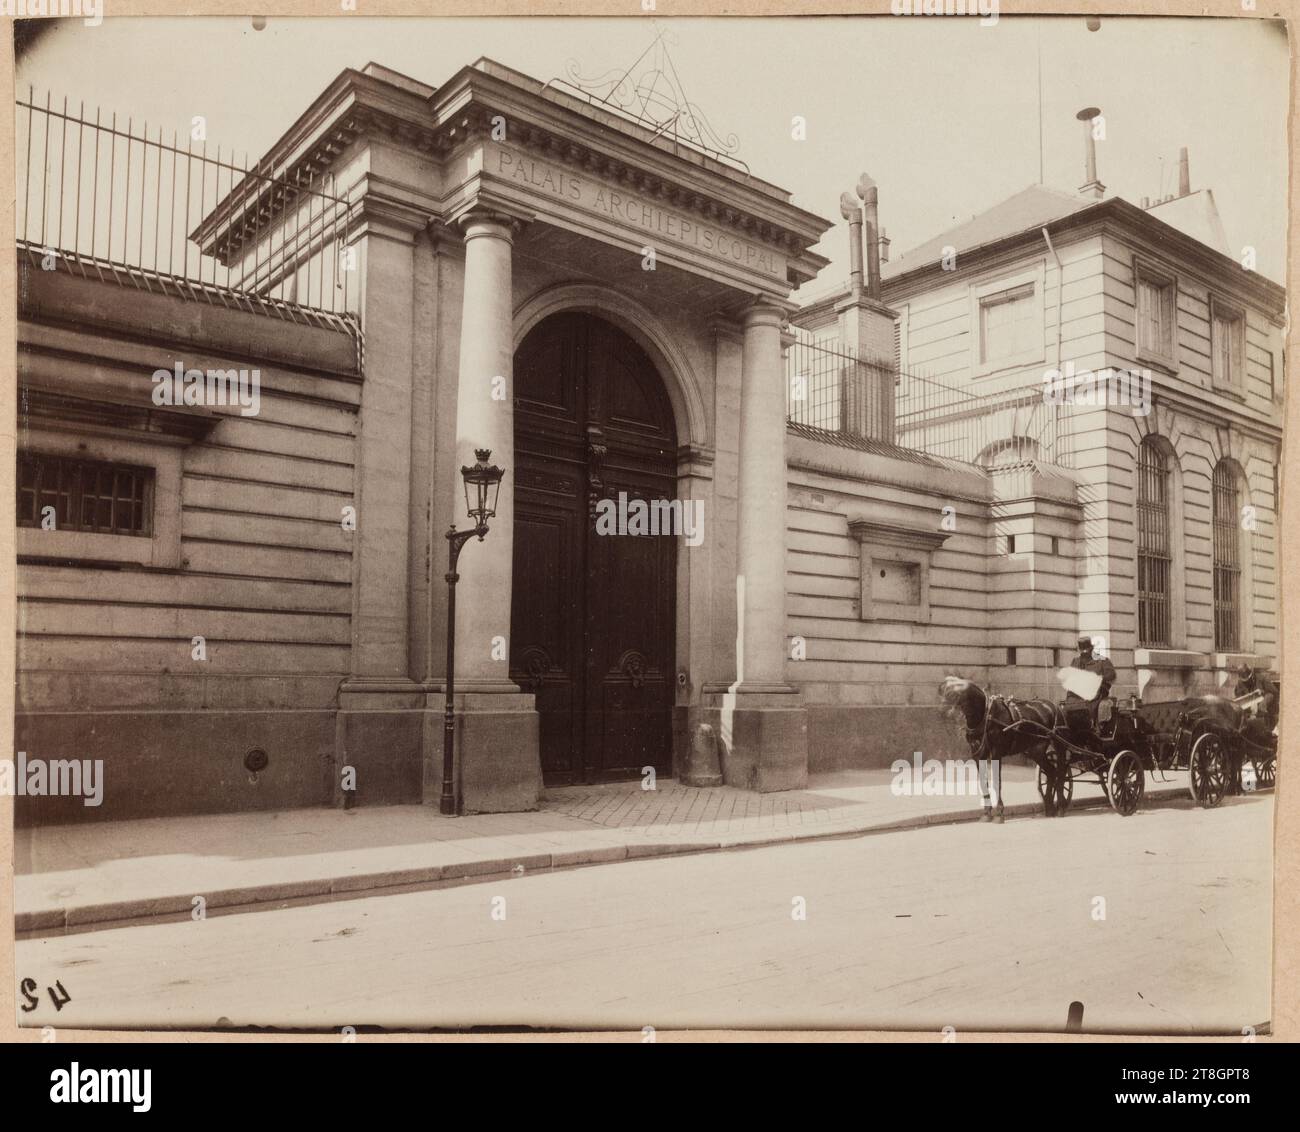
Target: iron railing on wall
(120, 202)
(832, 391)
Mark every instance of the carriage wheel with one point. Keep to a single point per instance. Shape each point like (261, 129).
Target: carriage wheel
(1126, 782)
(1207, 770)
(1265, 770)
(1057, 788)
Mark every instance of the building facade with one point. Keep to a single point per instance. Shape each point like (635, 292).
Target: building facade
(1116, 375)
(693, 567)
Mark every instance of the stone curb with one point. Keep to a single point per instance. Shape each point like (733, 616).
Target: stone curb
(262, 897)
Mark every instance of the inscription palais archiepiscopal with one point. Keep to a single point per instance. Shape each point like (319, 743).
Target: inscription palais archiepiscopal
(631, 209)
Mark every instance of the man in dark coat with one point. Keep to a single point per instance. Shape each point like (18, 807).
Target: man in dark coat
(1101, 665)
(1250, 679)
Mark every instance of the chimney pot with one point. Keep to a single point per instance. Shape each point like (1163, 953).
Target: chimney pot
(852, 212)
(1091, 187)
(1184, 173)
(870, 197)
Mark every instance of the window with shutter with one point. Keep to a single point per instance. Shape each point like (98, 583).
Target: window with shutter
(1227, 346)
(1155, 313)
(1008, 324)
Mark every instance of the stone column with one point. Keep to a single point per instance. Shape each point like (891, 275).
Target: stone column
(761, 504)
(379, 725)
(498, 767)
(379, 621)
(764, 725)
(485, 419)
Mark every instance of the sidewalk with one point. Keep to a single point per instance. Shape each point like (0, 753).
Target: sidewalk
(68, 877)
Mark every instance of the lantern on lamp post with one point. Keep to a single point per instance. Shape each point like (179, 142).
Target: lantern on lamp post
(482, 485)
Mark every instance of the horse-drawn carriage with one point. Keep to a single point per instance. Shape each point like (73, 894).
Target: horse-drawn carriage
(1224, 744)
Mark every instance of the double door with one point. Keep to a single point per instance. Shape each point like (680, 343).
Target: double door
(592, 616)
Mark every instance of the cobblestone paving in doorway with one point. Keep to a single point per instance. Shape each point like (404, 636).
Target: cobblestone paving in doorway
(674, 808)
(830, 802)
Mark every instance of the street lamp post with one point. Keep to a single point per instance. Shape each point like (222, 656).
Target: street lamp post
(482, 483)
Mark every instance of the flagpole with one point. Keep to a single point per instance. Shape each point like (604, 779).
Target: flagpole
(1038, 24)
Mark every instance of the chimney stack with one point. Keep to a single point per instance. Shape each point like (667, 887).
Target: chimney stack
(1184, 174)
(869, 195)
(866, 325)
(1091, 187)
(852, 212)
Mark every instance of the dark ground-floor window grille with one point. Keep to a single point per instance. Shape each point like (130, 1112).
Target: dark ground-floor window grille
(1153, 601)
(87, 495)
(1227, 558)
(1154, 557)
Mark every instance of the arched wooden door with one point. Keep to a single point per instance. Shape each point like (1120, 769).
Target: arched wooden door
(592, 615)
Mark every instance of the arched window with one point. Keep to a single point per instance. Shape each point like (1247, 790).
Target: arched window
(1154, 547)
(1226, 509)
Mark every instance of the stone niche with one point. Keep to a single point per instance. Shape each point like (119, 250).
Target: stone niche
(894, 570)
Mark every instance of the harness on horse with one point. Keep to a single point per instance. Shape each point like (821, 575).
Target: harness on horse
(1021, 724)
(1013, 710)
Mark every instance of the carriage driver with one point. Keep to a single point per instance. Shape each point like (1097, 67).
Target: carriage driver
(1101, 665)
(1250, 679)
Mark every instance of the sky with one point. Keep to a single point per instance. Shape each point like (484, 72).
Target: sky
(942, 112)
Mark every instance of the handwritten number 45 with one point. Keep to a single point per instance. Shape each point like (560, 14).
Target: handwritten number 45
(28, 987)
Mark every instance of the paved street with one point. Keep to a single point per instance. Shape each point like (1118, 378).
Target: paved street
(96, 872)
(969, 926)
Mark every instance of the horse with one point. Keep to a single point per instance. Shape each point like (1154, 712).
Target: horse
(993, 733)
(1243, 731)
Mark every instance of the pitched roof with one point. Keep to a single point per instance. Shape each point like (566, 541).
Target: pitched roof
(1193, 219)
(1197, 216)
(1030, 208)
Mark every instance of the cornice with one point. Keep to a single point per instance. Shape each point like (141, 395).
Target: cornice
(544, 122)
(891, 534)
(390, 208)
(167, 425)
(861, 302)
(1117, 217)
(1192, 402)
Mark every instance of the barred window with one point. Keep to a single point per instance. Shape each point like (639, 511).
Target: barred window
(1227, 557)
(87, 495)
(1154, 548)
